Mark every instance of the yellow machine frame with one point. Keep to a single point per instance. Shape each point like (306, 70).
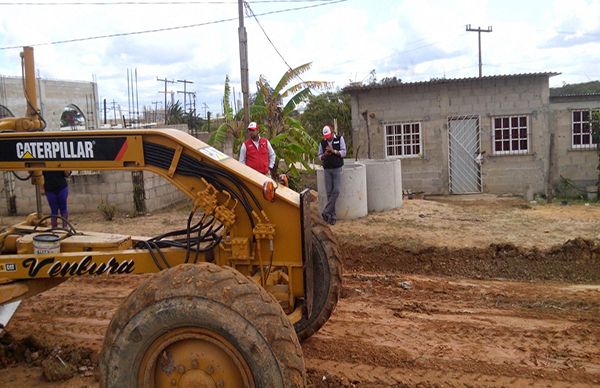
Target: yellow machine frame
(263, 239)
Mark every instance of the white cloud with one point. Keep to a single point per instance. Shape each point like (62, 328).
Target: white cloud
(412, 40)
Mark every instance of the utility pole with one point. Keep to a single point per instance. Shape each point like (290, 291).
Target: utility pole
(194, 96)
(244, 62)
(479, 31)
(156, 108)
(165, 80)
(205, 109)
(114, 106)
(128, 100)
(185, 93)
(137, 100)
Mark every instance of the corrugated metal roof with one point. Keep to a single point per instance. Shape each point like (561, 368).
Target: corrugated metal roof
(351, 87)
(575, 95)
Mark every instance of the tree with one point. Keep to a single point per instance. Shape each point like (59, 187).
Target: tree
(232, 124)
(277, 122)
(322, 109)
(579, 88)
(175, 114)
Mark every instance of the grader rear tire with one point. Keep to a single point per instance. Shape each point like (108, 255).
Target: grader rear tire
(327, 279)
(201, 325)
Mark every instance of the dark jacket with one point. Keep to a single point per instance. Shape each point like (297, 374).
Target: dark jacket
(54, 181)
(331, 160)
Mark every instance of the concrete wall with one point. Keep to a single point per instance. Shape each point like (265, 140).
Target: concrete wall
(88, 189)
(432, 104)
(53, 97)
(578, 165)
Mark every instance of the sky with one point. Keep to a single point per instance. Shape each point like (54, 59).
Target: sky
(345, 41)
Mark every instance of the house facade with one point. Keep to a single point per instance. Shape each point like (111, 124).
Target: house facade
(495, 134)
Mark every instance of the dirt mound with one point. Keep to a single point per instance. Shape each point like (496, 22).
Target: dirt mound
(57, 363)
(577, 261)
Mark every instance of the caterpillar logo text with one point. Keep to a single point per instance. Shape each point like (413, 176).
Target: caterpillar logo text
(55, 150)
(80, 148)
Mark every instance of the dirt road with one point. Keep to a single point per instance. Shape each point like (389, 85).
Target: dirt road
(475, 291)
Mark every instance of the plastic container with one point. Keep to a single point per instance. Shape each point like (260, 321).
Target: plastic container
(46, 243)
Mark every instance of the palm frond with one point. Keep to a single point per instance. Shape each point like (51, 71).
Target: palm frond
(217, 138)
(289, 75)
(307, 84)
(227, 110)
(294, 101)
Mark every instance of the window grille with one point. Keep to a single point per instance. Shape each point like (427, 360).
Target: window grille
(403, 139)
(511, 135)
(581, 129)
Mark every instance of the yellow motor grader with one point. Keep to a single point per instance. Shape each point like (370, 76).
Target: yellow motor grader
(254, 271)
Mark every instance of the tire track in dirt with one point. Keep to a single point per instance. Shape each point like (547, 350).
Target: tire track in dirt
(453, 332)
(352, 374)
(76, 312)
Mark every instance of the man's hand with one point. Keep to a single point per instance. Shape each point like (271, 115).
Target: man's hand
(329, 150)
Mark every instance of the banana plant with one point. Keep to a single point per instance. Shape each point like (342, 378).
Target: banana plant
(232, 124)
(289, 139)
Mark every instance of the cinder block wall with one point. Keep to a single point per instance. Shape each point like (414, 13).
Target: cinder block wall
(88, 189)
(432, 104)
(160, 193)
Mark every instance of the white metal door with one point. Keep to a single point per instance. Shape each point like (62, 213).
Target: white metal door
(463, 149)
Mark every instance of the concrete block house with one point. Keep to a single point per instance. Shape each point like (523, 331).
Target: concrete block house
(501, 134)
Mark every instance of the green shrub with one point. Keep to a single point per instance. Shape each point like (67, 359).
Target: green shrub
(108, 210)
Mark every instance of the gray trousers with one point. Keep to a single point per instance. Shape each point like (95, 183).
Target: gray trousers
(333, 179)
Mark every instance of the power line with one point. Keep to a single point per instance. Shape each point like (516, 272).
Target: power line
(69, 3)
(166, 28)
(266, 35)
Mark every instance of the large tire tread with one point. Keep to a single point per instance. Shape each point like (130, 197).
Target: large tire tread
(322, 234)
(230, 288)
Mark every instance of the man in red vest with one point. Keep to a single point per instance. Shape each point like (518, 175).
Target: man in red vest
(257, 152)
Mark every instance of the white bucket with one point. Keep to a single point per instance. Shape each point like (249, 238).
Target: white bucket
(46, 243)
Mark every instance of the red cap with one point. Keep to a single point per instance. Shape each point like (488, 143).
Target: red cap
(252, 126)
(327, 133)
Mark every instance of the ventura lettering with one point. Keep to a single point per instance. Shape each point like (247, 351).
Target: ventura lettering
(85, 266)
(55, 149)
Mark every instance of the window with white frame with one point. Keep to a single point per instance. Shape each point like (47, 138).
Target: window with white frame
(403, 139)
(511, 135)
(581, 129)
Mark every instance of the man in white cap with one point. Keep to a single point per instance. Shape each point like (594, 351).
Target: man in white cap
(257, 152)
(332, 151)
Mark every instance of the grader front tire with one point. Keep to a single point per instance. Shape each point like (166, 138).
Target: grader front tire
(327, 277)
(201, 325)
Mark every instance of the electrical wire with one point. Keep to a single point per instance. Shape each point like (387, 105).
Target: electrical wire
(266, 35)
(167, 28)
(70, 3)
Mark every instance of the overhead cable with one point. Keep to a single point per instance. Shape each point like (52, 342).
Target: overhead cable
(70, 3)
(166, 28)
